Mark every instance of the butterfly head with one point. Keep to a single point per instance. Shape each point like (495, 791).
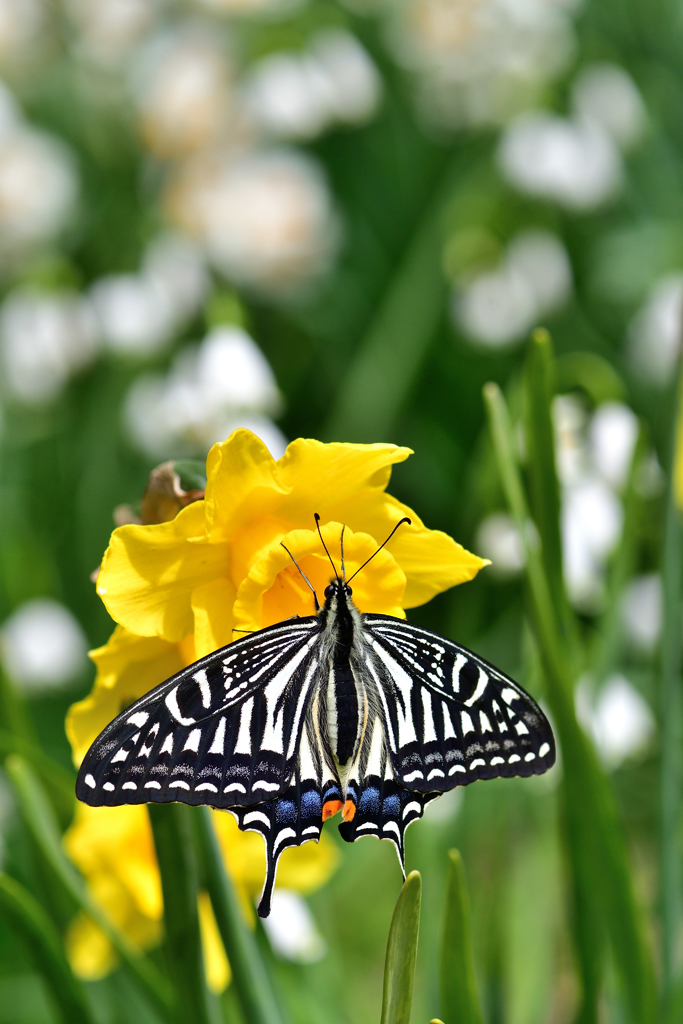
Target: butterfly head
(337, 594)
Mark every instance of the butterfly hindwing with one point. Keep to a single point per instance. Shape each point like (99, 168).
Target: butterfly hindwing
(224, 731)
(451, 717)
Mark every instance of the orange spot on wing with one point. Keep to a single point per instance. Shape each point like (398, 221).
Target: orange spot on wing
(349, 810)
(330, 808)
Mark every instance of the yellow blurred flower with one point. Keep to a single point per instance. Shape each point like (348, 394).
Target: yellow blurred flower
(114, 850)
(219, 564)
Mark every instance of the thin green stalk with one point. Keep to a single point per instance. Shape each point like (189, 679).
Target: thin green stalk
(389, 356)
(59, 781)
(172, 830)
(459, 997)
(250, 977)
(399, 965)
(31, 921)
(40, 820)
(588, 801)
(671, 715)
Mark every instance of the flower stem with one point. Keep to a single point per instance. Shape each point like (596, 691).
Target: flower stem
(41, 823)
(251, 980)
(596, 846)
(46, 945)
(172, 829)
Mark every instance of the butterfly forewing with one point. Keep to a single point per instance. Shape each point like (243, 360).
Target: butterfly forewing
(224, 731)
(451, 717)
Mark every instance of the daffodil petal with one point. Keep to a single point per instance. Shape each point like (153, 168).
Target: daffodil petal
(128, 666)
(242, 484)
(149, 572)
(323, 476)
(213, 616)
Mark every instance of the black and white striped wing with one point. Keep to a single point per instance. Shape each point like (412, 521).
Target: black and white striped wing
(451, 717)
(224, 731)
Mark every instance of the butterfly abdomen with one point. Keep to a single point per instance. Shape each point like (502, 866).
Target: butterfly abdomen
(345, 711)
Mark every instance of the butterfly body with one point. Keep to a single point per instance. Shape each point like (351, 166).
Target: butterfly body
(339, 711)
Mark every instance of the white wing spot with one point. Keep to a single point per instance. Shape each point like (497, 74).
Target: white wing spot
(413, 775)
(269, 787)
(120, 755)
(109, 787)
(435, 773)
(485, 723)
(367, 825)
(202, 682)
(391, 826)
(448, 730)
(477, 761)
(509, 695)
(192, 741)
(310, 830)
(243, 745)
(90, 781)
(138, 719)
(412, 806)
(236, 787)
(286, 833)
(521, 729)
(457, 768)
(218, 743)
(482, 683)
(514, 758)
(256, 816)
(460, 660)
(545, 749)
(152, 785)
(429, 730)
(208, 786)
(466, 722)
(129, 785)
(178, 784)
(530, 756)
(167, 745)
(497, 760)
(172, 705)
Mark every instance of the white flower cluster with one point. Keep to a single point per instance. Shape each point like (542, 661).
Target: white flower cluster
(223, 383)
(497, 308)
(47, 337)
(38, 183)
(42, 645)
(576, 161)
(617, 717)
(481, 61)
(656, 332)
(593, 455)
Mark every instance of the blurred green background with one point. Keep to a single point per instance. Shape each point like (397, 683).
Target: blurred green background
(339, 220)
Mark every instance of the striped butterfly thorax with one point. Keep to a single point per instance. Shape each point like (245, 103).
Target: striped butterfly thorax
(339, 711)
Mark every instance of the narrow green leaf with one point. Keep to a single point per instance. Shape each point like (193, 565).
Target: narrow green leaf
(601, 872)
(399, 965)
(390, 354)
(459, 997)
(671, 793)
(33, 923)
(251, 980)
(59, 781)
(172, 830)
(41, 823)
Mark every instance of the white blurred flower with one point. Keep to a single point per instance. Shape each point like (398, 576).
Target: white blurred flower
(569, 421)
(292, 930)
(263, 8)
(655, 333)
(38, 187)
(499, 307)
(223, 383)
(575, 163)
(298, 95)
(42, 645)
(110, 29)
(642, 607)
(184, 91)
(44, 340)
(266, 219)
(20, 24)
(499, 540)
(608, 95)
(480, 60)
(134, 313)
(613, 436)
(176, 267)
(591, 521)
(618, 718)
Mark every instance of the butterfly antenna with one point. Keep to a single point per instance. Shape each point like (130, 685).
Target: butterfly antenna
(310, 585)
(342, 552)
(317, 523)
(399, 523)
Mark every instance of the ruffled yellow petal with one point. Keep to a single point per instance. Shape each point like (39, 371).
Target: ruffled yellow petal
(274, 589)
(216, 963)
(432, 561)
(148, 573)
(128, 666)
(242, 484)
(321, 477)
(212, 606)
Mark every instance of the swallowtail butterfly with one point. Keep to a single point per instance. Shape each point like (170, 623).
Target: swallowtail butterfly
(338, 711)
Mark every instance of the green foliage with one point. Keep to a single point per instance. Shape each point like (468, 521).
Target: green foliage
(399, 965)
(459, 997)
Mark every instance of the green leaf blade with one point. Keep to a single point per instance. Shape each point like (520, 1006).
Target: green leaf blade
(399, 966)
(459, 997)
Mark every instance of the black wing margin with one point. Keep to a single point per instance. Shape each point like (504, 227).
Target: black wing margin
(451, 717)
(225, 731)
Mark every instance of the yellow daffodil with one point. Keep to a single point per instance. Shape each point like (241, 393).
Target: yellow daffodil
(219, 565)
(180, 589)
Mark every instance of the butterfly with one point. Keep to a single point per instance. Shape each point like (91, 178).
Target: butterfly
(366, 714)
